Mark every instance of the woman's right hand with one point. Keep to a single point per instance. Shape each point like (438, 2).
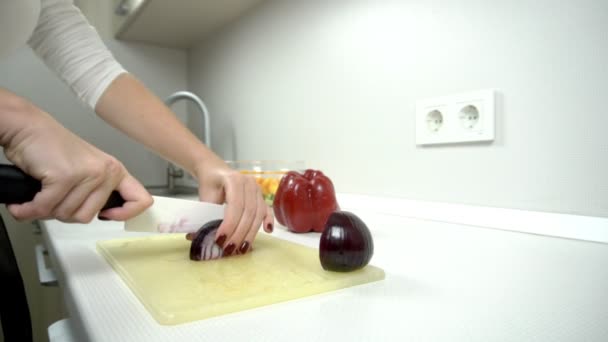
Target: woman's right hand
(77, 178)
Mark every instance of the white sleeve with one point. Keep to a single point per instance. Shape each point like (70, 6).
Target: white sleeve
(71, 47)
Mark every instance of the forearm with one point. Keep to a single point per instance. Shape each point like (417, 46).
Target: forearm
(131, 108)
(11, 107)
(17, 118)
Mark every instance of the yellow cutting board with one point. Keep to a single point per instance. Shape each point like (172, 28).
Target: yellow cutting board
(176, 290)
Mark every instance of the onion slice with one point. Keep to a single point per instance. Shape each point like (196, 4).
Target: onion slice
(346, 243)
(203, 246)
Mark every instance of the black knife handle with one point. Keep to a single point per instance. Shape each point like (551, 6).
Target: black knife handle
(18, 187)
(114, 201)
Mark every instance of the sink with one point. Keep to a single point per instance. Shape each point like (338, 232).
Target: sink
(176, 191)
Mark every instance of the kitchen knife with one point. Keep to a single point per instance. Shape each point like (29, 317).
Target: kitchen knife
(166, 215)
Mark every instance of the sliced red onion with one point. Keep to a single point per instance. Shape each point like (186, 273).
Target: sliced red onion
(203, 246)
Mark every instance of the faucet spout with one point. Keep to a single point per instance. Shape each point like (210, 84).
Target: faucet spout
(186, 95)
(172, 171)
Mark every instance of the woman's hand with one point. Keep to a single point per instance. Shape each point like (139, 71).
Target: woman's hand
(131, 108)
(246, 209)
(76, 177)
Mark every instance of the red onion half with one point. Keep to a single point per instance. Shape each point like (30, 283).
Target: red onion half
(346, 243)
(203, 246)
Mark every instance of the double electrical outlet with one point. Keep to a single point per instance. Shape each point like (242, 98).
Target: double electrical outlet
(459, 118)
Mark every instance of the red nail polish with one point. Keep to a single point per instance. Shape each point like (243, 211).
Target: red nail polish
(244, 247)
(229, 249)
(220, 240)
(269, 227)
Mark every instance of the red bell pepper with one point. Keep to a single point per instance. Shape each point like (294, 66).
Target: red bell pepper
(303, 202)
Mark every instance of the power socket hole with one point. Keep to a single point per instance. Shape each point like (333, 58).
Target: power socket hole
(434, 120)
(469, 116)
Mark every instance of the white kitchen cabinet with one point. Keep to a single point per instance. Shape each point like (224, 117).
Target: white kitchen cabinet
(176, 23)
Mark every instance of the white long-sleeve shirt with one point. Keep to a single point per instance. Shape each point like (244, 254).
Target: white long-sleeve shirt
(61, 36)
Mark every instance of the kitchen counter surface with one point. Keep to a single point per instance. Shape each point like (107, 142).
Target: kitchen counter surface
(444, 282)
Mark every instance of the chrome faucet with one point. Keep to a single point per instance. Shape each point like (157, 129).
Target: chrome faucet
(172, 171)
(186, 95)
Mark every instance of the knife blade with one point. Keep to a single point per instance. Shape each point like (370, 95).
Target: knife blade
(166, 215)
(175, 215)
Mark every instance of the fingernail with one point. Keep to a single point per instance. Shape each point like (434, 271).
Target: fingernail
(269, 227)
(103, 218)
(244, 247)
(190, 236)
(229, 249)
(220, 240)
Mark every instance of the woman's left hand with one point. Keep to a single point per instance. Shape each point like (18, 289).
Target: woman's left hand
(245, 210)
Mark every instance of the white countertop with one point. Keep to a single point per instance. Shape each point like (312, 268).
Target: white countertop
(444, 282)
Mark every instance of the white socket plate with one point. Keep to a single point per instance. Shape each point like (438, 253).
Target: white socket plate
(452, 129)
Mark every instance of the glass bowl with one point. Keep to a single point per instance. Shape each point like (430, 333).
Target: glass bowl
(267, 173)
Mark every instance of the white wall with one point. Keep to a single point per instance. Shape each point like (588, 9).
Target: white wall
(99, 14)
(335, 83)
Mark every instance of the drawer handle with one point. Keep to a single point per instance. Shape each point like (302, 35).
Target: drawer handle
(61, 331)
(45, 274)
